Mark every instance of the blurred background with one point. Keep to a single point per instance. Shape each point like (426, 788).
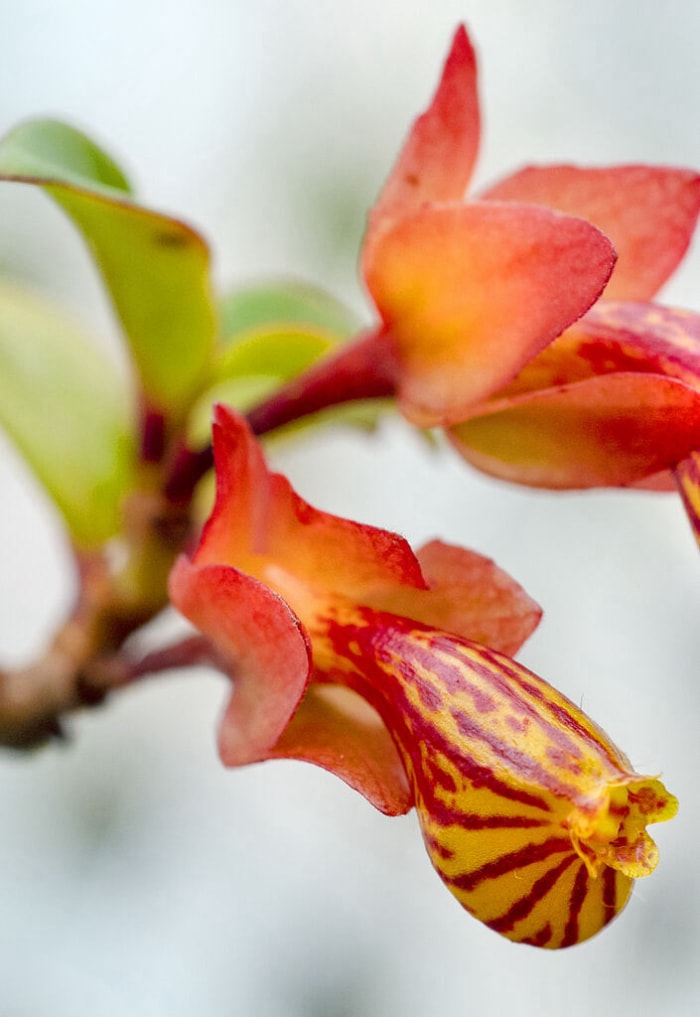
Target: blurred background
(136, 874)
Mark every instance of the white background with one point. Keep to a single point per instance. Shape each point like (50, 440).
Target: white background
(136, 875)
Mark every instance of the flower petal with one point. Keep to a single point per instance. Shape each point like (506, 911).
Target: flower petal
(471, 293)
(262, 646)
(533, 819)
(336, 729)
(648, 212)
(469, 595)
(606, 431)
(436, 161)
(258, 519)
(616, 336)
(687, 475)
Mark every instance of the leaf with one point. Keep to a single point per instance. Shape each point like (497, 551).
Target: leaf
(67, 410)
(251, 369)
(281, 353)
(287, 302)
(155, 267)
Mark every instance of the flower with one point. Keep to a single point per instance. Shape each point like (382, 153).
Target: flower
(467, 292)
(392, 670)
(615, 400)
(478, 302)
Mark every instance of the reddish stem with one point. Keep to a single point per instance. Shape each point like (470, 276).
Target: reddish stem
(364, 369)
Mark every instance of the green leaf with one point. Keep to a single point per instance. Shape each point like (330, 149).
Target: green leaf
(241, 393)
(282, 352)
(253, 368)
(50, 150)
(155, 267)
(67, 410)
(284, 302)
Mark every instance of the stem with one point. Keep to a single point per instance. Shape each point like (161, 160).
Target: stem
(364, 369)
(118, 593)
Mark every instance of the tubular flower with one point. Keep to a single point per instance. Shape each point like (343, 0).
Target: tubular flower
(467, 292)
(348, 650)
(615, 400)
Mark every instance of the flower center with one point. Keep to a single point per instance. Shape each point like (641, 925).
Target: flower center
(614, 833)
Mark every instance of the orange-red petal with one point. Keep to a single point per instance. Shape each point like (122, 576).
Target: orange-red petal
(648, 212)
(470, 293)
(617, 336)
(606, 431)
(262, 646)
(336, 729)
(259, 520)
(467, 594)
(436, 161)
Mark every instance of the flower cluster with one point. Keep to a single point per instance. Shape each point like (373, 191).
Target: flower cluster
(390, 669)
(521, 321)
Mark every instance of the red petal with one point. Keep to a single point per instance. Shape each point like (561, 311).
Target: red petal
(604, 432)
(262, 645)
(617, 336)
(470, 293)
(339, 731)
(259, 520)
(648, 212)
(468, 595)
(688, 480)
(664, 340)
(436, 161)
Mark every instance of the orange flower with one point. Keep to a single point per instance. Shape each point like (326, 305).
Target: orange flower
(467, 292)
(615, 400)
(478, 303)
(391, 670)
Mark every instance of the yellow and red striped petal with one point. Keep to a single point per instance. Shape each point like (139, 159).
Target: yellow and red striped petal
(607, 431)
(533, 819)
(687, 475)
(260, 644)
(648, 212)
(438, 156)
(470, 293)
(336, 729)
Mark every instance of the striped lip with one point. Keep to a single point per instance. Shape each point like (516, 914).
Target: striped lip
(531, 816)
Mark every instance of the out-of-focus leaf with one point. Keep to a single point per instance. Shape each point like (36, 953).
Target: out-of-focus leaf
(249, 371)
(284, 302)
(241, 393)
(282, 353)
(67, 410)
(155, 267)
(50, 150)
